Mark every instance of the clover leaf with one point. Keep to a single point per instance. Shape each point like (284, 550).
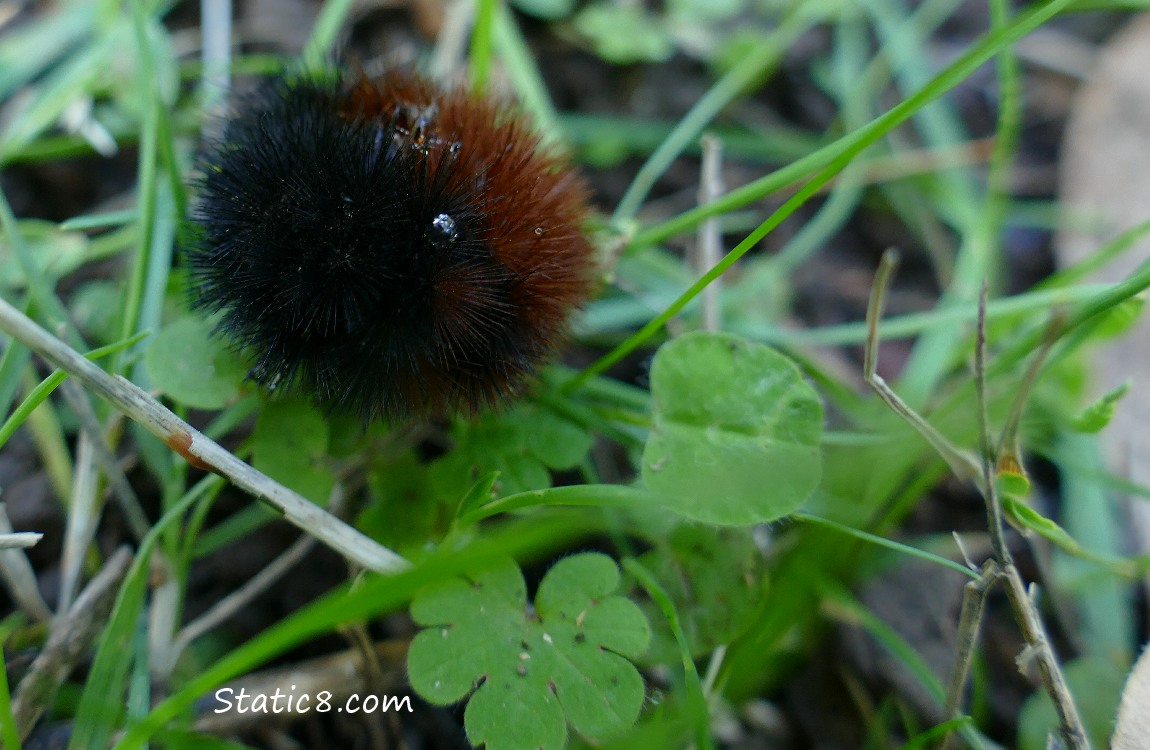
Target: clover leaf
(521, 443)
(736, 431)
(290, 443)
(715, 576)
(194, 367)
(567, 660)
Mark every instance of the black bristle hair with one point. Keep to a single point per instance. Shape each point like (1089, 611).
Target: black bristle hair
(387, 247)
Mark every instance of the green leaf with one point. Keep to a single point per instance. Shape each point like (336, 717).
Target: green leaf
(54, 253)
(43, 39)
(736, 430)
(557, 442)
(193, 367)
(714, 577)
(1010, 476)
(1022, 516)
(480, 493)
(72, 78)
(536, 672)
(289, 444)
(401, 515)
(1119, 318)
(1026, 517)
(624, 34)
(705, 11)
(545, 9)
(520, 444)
(184, 740)
(96, 307)
(1096, 416)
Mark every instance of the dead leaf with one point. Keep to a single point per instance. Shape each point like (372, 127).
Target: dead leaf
(1133, 729)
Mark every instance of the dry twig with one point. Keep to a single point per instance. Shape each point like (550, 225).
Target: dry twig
(982, 472)
(197, 448)
(71, 637)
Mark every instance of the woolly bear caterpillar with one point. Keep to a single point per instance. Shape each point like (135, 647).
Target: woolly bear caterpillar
(388, 247)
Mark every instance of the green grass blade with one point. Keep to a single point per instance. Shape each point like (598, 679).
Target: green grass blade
(977, 55)
(40, 290)
(1104, 612)
(73, 79)
(482, 44)
(146, 173)
(523, 70)
(905, 549)
(50, 384)
(840, 154)
(696, 700)
(765, 57)
(41, 42)
(578, 495)
(103, 697)
(332, 16)
(9, 737)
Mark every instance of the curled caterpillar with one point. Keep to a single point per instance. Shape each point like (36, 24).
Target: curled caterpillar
(387, 247)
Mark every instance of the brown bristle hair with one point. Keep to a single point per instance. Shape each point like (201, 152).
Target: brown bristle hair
(387, 246)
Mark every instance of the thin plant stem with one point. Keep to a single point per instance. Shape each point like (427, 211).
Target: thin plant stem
(984, 473)
(216, 53)
(80, 524)
(1008, 455)
(197, 448)
(762, 59)
(710, 234)
(986, 449)
(68, 642)
(121, 488)
(1038, 647)
(19, 539)
(993, 507)
(241, 597)
(969, 628)
(715, 664)
(16, 570)
(961, 463)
